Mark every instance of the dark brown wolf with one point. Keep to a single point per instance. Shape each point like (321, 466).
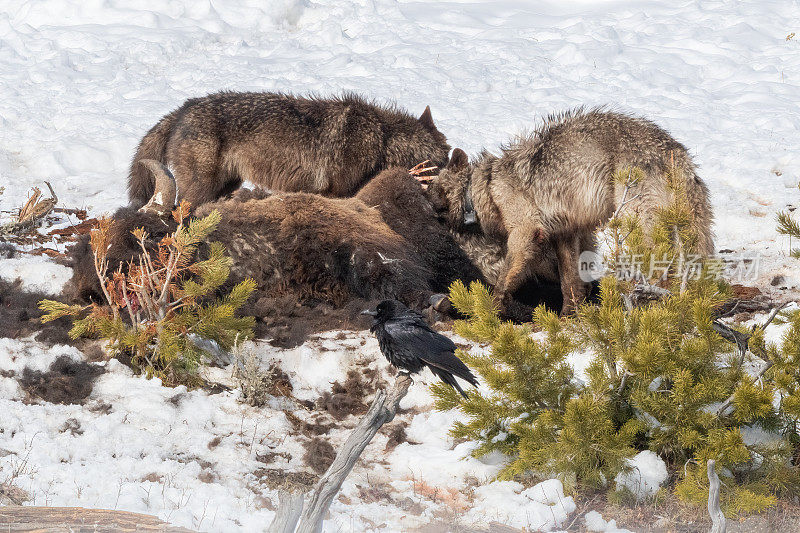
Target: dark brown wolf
(281, 142)
(549, 192)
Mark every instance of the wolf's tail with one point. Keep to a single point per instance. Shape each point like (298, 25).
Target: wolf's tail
(700, 205)
(697, 194)
(141, 183)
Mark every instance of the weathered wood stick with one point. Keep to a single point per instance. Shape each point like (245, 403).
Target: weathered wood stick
(381, 411)
(717, 517)
(289, 508)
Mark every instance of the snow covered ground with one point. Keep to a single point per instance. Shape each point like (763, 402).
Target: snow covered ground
(83, 80)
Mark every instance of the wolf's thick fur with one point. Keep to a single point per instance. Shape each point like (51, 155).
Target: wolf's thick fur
(281, 142)
(550, 191)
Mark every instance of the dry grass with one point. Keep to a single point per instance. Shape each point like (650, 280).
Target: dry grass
(667, 514)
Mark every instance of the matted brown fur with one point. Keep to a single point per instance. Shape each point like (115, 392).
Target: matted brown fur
(336, 255)
(548, 192)
(299, 240)
(404, 207)
(329, 146)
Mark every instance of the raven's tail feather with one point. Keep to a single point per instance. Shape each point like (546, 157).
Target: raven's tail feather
(452, 366)
(448, 378)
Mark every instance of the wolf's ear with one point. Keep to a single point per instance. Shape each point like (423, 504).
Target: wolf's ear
(458, 160)
(426, 119)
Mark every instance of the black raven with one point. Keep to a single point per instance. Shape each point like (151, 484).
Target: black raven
(410, 344)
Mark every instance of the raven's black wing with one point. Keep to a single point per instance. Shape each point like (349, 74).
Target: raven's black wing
(414, 338)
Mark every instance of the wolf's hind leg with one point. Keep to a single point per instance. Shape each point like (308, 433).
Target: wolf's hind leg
(196, 168)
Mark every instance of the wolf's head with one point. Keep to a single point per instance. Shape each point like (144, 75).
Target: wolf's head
(449, 192)
(415, 140)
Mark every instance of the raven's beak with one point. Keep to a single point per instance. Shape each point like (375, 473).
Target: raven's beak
(368, 312)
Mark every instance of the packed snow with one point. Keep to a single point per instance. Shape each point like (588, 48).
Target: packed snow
(647, 473)
(83, 81)
(595, 523)
(37, 273)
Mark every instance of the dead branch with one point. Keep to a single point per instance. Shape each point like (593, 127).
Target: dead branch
(33, 210)
(771, 316)
(642, 294)
(717, 517)
(742, 339)
(382, 411)
(731, 335)
(630, 182)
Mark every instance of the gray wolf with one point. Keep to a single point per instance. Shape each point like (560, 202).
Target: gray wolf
(544, 198)
(329, 146)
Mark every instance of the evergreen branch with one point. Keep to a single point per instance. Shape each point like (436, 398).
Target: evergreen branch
(787, 225)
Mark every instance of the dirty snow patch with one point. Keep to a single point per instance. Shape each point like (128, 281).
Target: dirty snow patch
(595, 523)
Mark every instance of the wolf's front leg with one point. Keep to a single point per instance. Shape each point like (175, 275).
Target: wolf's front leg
(573, 289)
(523, 248)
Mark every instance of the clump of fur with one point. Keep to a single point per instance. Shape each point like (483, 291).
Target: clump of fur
(66, 381)
(329, 146)
(349, 398)
(319, 454)
(19, 316)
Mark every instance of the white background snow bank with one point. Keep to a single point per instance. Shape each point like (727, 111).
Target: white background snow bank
(82, 82)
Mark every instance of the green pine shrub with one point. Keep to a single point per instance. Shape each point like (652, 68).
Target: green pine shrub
(661, 378)
(791, 228)
(161, 312)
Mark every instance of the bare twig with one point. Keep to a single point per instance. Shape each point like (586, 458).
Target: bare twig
(629, 184)
(727, 403)
(736, 337)
(741, 340)
(643, 293)
(771, 317)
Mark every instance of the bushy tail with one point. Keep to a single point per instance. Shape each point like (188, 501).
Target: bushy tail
(141, 183)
